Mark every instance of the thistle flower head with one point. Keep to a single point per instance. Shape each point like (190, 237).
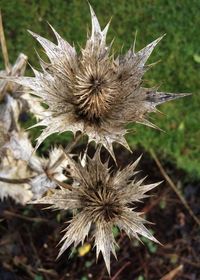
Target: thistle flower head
(101, 200)
(93, 92)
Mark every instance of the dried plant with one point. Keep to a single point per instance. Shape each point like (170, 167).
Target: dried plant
(12, 183)
(102, 200)
(23, 175)
(93, 92)
(48, 172)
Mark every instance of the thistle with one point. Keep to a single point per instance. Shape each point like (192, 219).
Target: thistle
(97, 94)
(12, 183)
(101, 200)
(93, 92)
(48, 172)
(44, 171)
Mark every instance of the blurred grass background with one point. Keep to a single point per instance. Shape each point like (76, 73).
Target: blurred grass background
(179, 51)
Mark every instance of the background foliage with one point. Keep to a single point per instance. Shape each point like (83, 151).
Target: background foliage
(179, 52)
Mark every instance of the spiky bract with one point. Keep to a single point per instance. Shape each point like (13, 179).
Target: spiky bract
(93, 92)
(101, 200)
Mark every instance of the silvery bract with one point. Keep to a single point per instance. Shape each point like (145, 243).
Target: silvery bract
(93, 92)
(97, 94)
(101, 200)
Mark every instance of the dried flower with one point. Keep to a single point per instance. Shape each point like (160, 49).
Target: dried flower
(48, 172)
(14, 170)
(101, 200)
(42, 172)
(14, 99)
(3, 138)
(45, 171)
(93, 92)
(16, 70)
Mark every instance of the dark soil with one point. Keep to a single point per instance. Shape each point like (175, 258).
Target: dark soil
(29, 236)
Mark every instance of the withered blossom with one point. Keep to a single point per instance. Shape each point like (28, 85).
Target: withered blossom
(40, 173)
(48, 172)
(93, 91)
(99, 200)
(13, 97)
(44, 171)
(13, 171)
(10, 100)
(15, 70)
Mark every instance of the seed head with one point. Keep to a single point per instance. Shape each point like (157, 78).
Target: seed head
(101, 200)
(93, 92)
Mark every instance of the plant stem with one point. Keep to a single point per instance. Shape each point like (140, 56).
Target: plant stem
(16, 181)
(67, 150)
(3, 46)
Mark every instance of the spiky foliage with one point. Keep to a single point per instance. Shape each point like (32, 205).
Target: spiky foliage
(93, 92)
(101, 199)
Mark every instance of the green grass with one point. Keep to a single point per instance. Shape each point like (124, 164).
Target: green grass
(179, 70)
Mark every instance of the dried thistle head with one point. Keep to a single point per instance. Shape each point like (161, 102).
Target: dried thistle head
(48, 172)
(42, 172)
(13, 171)
(9, 113)
(101, 200)
(13, 98)
(8, 89)
(94, 92)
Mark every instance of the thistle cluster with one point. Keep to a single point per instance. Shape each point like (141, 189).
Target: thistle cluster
(92, 93)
